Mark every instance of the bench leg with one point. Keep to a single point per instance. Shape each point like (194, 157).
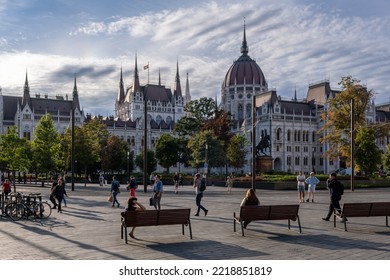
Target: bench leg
(242, 227)
(234, 221)
(299, 224)
(289, 226)
(189, 227)
(387, 221)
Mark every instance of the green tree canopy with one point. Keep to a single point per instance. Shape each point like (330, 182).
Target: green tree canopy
(114, 154)
(215, 153)
(167, 151)
(236, 152)
(151, 161)
(15, 152)
(367, 154)
(46, 146)
(337, 117)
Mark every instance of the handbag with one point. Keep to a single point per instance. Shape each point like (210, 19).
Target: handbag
(151, 201)
(110, 198)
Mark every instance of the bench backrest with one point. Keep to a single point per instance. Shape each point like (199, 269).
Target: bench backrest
(269, 212)
(380, 209)
(156, 217)
(173, 216)
(366, 209)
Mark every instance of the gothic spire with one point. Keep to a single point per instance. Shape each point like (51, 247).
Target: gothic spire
(159, 77)
(76, 103)
(187, 93)
(121, 91)
(244, 47)
(26, 93)
(136, 86)
(177, 81)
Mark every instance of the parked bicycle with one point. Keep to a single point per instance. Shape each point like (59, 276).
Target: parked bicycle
(25, 206)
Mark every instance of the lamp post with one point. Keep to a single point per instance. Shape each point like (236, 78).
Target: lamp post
(127, 170)
(206, 164)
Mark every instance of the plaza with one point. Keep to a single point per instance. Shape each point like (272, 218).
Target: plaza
(89, 229)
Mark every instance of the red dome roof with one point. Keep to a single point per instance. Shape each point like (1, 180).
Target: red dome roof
(244, 70)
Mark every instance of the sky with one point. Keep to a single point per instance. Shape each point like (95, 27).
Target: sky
(295, 43)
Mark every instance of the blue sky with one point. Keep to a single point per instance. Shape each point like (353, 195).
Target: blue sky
(295, 42)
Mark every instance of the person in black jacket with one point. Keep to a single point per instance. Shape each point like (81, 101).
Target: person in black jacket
(336, 190)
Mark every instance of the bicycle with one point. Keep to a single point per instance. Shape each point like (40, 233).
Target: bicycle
(26, 206)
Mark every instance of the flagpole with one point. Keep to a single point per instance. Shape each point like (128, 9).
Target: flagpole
(148, 72)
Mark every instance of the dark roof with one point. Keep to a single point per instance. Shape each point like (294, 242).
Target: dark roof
(10, 105)
(157, 93)
(297, 108)
(51, 105)
(382, 116)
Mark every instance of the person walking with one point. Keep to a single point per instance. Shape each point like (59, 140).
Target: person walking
(52, 193)
(133, 205)
(336, 190)
(181, 180)
(301, 186)
(132, 186)
(199, 194)
(312, 182)
(249, 199)
(229, 184)
(59, 192)
(6, 187)
(157, 192)
(115, 190)
(176, 182)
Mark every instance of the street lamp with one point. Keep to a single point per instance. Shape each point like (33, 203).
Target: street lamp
(128, 155)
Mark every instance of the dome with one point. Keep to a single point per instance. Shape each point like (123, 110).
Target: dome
(244, 70)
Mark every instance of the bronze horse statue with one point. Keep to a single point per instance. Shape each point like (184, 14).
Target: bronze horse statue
(265, 142)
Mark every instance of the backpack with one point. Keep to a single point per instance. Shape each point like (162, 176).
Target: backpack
(341, 189)
(202, 185)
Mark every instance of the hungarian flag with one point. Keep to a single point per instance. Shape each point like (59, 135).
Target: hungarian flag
(146, 66)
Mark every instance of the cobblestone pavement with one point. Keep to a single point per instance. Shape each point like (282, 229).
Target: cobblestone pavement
(89, 229)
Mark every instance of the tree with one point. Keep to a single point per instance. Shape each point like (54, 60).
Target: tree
(151, 161)
(167, 151)
(114, 154)
(336, 130)
(215, 153)
(46, 146)
(386, 160)
(199, 111)
(367, 154)
(15, 152)
(236, 152)
(220, 126)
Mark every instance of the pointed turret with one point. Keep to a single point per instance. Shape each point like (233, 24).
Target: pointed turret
(295, 96)
(26, 93)
(76, 103)
(177, 82)
(136, 86)
(121, 90)
(187, 93)
(159, 77)
(244, 47)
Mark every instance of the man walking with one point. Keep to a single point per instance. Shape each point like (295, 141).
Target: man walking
(199, 193)
(336, 190)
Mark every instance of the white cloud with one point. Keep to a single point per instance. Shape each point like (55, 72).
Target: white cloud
(293, 44)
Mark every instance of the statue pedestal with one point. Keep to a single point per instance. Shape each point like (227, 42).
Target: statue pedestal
(263, 164)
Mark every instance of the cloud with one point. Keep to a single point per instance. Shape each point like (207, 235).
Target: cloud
(294, 44)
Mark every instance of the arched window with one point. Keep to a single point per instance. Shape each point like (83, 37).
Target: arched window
(240, 112)
(169, 120)
(314, 136)
(289, 135)
(278, 133)
(158, 119)
(248, 111)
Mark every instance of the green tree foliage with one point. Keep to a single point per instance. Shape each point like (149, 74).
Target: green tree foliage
(367, 155)
(215, 153)
(220, 126)
(46, 146)
(336, 130)
(114, 154)
(200, 111)
(167, 151)
(386, 159)
(236, 152)
(151, 161)
(15, 152)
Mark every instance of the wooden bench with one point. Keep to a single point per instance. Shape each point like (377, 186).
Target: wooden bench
(143, 218)
(363, 209)
(266, 213)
